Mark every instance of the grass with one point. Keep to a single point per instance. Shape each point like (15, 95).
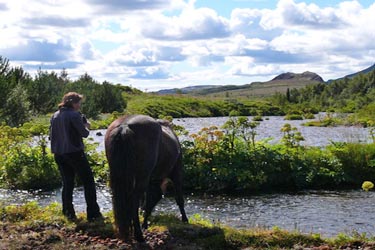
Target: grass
(30, 222)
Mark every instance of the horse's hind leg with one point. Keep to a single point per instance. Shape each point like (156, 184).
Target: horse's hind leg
(180, 202)
(176, 178)
(137, 227)
(153, 196)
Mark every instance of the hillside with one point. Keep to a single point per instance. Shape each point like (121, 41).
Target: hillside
(369, 69)
(256, 89)
(185, 90)
(264, 89)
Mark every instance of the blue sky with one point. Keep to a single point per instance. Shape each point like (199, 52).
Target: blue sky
(156, 44)
(225, 7)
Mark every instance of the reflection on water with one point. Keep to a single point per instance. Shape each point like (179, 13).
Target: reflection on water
(270, 128)
(328, 212)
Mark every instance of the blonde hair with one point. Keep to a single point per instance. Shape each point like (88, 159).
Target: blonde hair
(70, 98)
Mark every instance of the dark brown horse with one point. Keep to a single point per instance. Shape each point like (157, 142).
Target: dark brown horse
(143, 153)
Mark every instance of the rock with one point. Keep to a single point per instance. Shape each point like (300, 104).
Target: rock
(304, 76)
(324, 248)
(99, 133)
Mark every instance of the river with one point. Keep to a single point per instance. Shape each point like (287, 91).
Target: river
(324, 212)
(270, 129)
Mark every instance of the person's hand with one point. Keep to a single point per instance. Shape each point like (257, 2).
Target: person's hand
(88, 125)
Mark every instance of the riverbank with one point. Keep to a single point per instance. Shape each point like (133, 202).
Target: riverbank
(33, 227)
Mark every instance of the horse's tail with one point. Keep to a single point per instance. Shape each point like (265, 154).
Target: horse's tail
(122, 177)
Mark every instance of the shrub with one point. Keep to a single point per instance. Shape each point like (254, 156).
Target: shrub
(25, 164)
(227, 160)
(258, 118)
(309, 116)
(293, 117)
(28, 167)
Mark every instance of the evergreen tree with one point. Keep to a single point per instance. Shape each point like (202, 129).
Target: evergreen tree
(16, 109)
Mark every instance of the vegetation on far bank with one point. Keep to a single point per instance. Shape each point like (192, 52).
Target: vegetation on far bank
(355, 96)
(33, 226)
(36, 96)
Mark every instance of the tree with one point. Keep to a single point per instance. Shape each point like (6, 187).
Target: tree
(4, 66)
(111, 98)
(16, 108)
(288, 94)
(88, 87)
(44, 92)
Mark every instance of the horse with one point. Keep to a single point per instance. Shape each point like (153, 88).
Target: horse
(144, 154)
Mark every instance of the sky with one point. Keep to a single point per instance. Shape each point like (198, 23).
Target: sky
(158, 44)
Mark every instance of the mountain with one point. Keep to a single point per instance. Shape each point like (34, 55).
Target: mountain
(263, 89)
(308, 76)
(371, 68)
(256, 89)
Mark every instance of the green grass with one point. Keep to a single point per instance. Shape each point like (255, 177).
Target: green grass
(187, 106)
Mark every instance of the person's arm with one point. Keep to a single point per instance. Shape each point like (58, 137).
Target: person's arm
(85, 121)
(77, 123)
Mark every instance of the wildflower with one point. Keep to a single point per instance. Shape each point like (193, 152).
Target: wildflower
(367, 185)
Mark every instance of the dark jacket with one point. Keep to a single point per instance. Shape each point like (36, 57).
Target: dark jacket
(66, 131)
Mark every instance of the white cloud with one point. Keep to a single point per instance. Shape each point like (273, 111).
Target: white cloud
(192, 24)
(172, 42)
(116, 6)
(42, 51)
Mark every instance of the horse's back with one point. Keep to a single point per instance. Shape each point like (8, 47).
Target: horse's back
(145, 128)
(146, 137)
(169, 152)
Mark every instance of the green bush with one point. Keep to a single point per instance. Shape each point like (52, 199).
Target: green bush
(258, 118)
(293, 117)
(227, 160)
(309, 116)
(27, 165)
(24, 166)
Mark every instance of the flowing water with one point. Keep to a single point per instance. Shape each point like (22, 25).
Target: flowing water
(270, 129)
(327, 212)
(324, 212)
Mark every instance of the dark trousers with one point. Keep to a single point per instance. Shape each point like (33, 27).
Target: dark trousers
(70, 165)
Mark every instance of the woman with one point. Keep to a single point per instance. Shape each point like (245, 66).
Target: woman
(67, 129)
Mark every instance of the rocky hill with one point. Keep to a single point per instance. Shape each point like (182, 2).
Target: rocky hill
(309, 76)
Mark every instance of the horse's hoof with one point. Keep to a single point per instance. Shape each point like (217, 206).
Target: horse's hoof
(144, 226)
(140, 239)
